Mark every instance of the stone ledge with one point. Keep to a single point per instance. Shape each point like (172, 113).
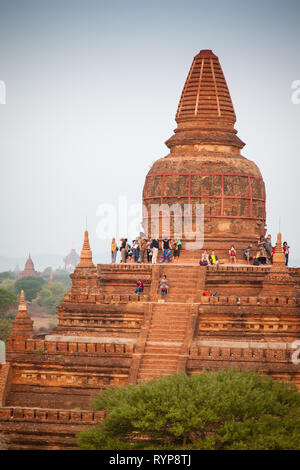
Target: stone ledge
(89, 339)
(243, 344)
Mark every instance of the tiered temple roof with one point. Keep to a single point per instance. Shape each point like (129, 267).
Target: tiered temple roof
(28, 270)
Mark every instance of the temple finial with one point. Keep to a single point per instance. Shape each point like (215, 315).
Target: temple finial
(22, 303)
(86, 253)
(278, 257)
(22, 325)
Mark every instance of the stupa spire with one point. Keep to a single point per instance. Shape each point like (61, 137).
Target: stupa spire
(86, 254)
(205, 112)
(22, 325)
(278, 257)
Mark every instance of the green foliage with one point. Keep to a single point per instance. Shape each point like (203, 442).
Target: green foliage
(51, 296)
(46, 273)
(212, 410)
(31, 286)
(7, 299)
(5, 328)
(64, 279)
(6, 275)
(8, 284)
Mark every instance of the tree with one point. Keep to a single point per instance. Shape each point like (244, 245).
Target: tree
(211, 410)
(6, 275)
(51, 296)
(7, 299)
(30, 285)
(5, 328)
(8, 284)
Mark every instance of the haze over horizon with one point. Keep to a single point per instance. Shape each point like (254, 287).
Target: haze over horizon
(92, 90)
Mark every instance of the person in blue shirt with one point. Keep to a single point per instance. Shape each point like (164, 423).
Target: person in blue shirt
(247, 255)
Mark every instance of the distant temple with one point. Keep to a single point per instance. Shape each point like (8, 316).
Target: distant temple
(29, 270)
(108, 336)
(70, 261)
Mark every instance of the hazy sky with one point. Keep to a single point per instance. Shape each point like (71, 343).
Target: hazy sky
(92, 89)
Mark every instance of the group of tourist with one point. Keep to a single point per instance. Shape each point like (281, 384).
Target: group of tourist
(207, 258)
(143, 250)
(263, 254)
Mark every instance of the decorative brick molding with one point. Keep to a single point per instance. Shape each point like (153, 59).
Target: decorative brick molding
(50, 415)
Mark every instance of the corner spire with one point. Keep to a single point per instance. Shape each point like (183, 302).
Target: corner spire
(86, 254)
(278, 257)
(22, 325)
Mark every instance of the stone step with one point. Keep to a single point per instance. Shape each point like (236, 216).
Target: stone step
(180, 326)
(158, 365)
(158, 350)
(155, 371)
(161, 338)
(173, 326)
(170, 310)
(165, 336)
(150, 374)
(160, 357)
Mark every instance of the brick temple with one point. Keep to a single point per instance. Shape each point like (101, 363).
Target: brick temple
(108, 336)
(28, 270)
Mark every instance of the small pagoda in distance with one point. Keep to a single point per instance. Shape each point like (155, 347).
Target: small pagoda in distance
(29, 270)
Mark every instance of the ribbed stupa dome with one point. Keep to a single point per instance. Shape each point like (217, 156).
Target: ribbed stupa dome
(205, 165)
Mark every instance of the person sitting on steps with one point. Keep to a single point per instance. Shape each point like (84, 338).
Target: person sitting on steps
(213, 259)
(164, 288)
(204, 259)
(139, 286)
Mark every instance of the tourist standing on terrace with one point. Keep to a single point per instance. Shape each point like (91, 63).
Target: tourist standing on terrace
(232, 254)
(143, 249)
(113, 250)
(177, 248)
(149, 251)
(166, 250)
(136, 250)
(154, 247)
(286, 251)
(268, 247)
(123, 250)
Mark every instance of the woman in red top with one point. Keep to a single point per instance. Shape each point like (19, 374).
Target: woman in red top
(139, 286)
(232, 254)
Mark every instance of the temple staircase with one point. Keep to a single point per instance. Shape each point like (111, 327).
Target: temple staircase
(165, 340)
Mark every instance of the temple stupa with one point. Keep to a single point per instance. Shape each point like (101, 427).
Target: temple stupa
(205, 166)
